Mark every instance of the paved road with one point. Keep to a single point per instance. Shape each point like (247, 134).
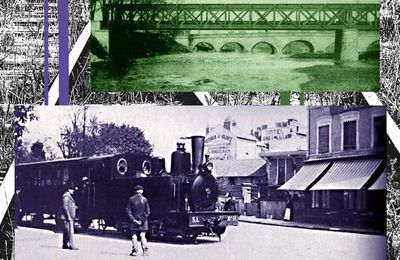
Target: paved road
(248, 241)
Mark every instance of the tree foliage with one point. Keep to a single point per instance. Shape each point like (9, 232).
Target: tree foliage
(36, 153)
(120, 139)
(91, 138)
(22, 114)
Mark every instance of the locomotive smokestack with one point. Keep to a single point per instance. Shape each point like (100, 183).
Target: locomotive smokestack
(197, 152)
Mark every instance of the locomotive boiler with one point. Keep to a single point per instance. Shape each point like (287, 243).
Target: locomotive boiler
(182, 202)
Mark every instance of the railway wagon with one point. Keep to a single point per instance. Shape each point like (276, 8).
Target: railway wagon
(182, 202)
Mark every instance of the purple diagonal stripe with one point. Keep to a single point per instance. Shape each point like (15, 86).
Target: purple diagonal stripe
(63, 52)
(46, 51)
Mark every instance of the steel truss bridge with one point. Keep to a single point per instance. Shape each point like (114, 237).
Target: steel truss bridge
(241, 16)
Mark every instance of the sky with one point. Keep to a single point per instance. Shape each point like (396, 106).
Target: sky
(162, 125)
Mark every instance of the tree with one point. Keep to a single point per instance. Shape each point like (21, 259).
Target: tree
(96, 138)
(37, 152)
(120, 139)
(21, 154)
(22, 114)
(72, 137)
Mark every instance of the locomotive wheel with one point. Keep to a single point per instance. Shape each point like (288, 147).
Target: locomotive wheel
(85, 224)
(38, 219)
(126, 233)
(189, 239)
(59, 224)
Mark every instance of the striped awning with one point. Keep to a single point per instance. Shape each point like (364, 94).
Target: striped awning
(350, 174)
(380, 183)
(307, 175)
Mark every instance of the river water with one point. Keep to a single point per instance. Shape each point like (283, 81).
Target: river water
(209, 71)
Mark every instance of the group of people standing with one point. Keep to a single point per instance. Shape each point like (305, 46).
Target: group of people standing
(137, 210)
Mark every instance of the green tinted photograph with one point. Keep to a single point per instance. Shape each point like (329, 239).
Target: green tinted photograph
(230, 46)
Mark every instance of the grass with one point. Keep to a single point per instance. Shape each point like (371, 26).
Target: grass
(344, 78)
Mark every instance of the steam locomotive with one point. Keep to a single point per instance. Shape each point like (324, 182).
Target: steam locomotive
(182, 202)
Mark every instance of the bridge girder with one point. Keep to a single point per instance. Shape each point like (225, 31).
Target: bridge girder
(242, 16)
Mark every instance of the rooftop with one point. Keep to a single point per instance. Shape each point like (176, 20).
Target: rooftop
(240, 168)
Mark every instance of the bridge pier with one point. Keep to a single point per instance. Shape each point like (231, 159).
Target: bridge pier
(185, 40)
(346, 45)
(118, 42)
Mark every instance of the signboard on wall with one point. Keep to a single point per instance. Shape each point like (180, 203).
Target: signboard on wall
(220, 146)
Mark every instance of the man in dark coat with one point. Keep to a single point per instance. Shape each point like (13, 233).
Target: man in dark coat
(138, 211)
(230, 203)
(68, 215)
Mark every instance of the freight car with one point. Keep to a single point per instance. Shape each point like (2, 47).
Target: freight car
(182, 202)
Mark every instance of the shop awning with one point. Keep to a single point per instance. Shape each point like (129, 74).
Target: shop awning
(350, 174)
(380, 183)
(307, 175)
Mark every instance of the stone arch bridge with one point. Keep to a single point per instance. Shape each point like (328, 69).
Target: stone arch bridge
(317, 41)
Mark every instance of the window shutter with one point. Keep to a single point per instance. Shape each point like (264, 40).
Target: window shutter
(349, 135)
(323, 138)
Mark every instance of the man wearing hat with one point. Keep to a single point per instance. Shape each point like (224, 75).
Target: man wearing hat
(68, 215)
(229, 202)
(138, 211)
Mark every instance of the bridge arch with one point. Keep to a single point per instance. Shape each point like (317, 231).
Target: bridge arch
(232, 47)
(264, 47)
(298, 46)
(374, 46)
(203, 46)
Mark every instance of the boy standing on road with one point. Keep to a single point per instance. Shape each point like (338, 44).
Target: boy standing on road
(138, 211)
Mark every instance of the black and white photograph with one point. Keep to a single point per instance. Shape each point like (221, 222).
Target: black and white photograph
(287, 182)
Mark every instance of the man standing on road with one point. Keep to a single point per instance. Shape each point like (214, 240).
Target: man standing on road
(138, 211)
(68, 215)
(229, 202)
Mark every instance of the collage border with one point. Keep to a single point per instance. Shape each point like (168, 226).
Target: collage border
(58, 93)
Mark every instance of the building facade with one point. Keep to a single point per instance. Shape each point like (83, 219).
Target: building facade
(281, 167)
(286, 135)
(227, 142)
(340, 179)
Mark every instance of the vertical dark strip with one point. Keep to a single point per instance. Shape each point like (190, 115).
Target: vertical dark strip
(302, 98)
(63, 51)
(46, 51)
(284, 98)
